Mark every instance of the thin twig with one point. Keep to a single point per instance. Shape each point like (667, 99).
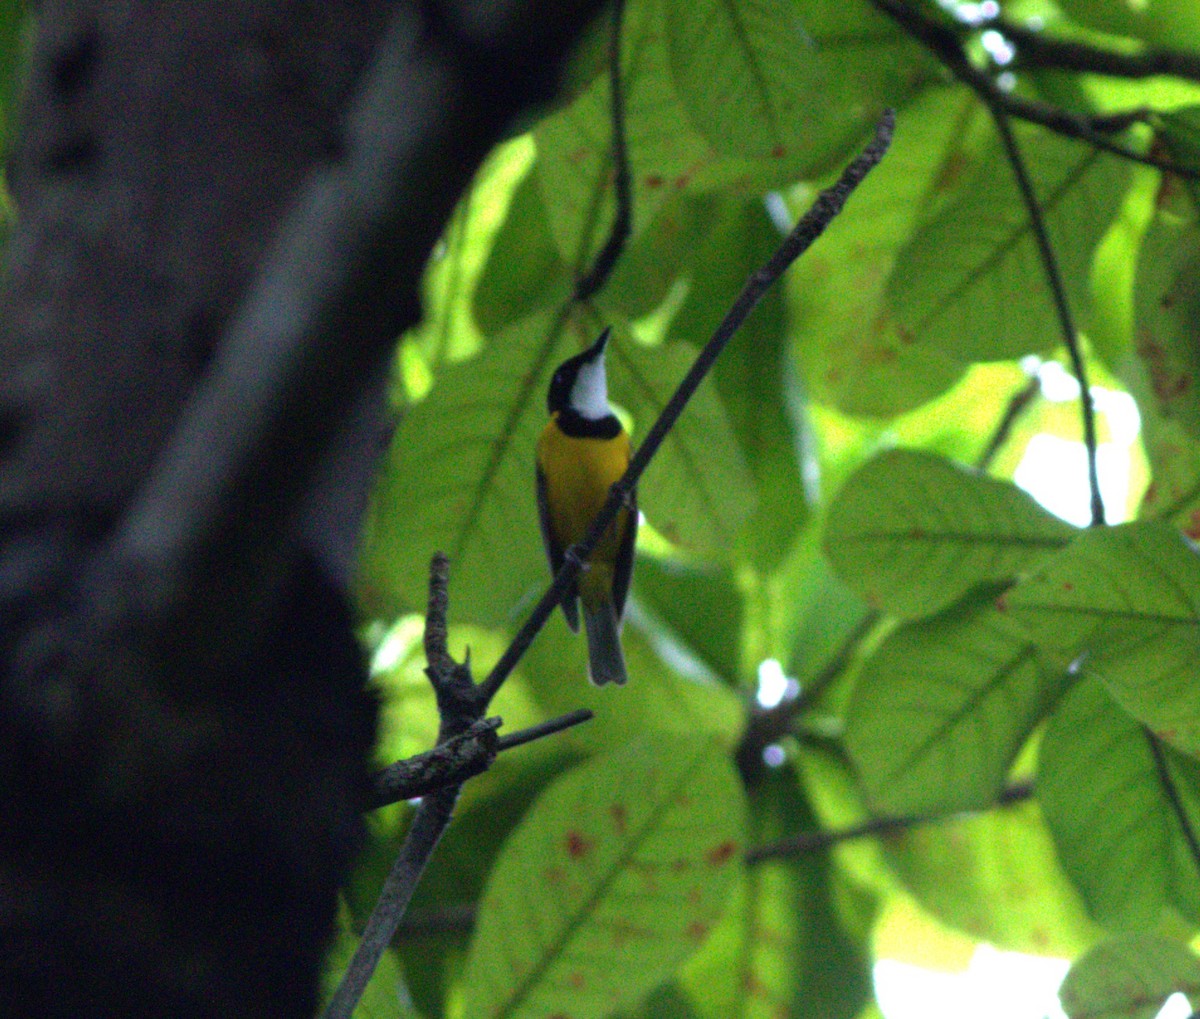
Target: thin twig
(449, 680)
(768, 725)
(1061, 305)
(429, 822)
(1017, 404)
(543, 729)
(461, 757)
(817, 841)
(590, 284)
(1039, 50)
(827, 206)
(944, 41)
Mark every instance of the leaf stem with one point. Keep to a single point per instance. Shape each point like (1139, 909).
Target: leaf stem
(1061, 304)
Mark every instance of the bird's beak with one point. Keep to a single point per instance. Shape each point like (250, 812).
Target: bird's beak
(596, 350)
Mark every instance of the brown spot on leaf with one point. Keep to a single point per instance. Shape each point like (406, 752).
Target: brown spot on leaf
(778, 152)
(697, 930)
(619, 816)
(721, 854)
(577, 846)
(654, 181)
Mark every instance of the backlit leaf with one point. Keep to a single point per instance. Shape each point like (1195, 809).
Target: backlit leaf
(616, 875)
(1130, 978)
(942, 707)
(1125, 602)
(1117, 833)
(912, 532)
(970, 283)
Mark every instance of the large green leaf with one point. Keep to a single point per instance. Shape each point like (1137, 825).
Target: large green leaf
(941, 709)
(849, 51)
(754, 375)
(697, 492)
(1118, 836)
(667, 155)
(852, 351)
(995, 877)
(913, 533)
(970, 282)
(524, 272)
(1125, 602)
(616, 875)
(460, 479)
(1130, 978)
(754, 76)
(784, 947)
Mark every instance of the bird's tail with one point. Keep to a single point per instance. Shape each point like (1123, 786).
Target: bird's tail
(606, 663)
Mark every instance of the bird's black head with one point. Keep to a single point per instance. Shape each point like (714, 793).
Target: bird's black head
(586, 397)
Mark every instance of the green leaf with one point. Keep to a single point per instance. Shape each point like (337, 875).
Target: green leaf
(994, 877)
(1167, 306)
(942, 707)
(700, 607)
(460, 478)
(784, 947)
(666, 155)
(1174, 23)
(970, 284)
(524, 271)
(1118, 836)
(1180, 135)
(1130, 978)
(753, 375)
(615, 876)
(853, 353)
(658, 699)
(754, 76)
(697, 491)
(913, 533)
(1123, 601)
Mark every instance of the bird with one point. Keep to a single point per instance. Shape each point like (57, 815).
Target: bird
(582, 452)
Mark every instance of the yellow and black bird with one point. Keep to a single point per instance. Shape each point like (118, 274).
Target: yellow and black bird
(581, 454)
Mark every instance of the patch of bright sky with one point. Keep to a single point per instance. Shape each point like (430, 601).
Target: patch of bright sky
(995, 985)
(1054, 470)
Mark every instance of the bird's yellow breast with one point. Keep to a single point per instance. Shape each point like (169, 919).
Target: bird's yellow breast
(578, 475)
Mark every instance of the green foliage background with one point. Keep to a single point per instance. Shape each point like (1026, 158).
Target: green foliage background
(819, 504)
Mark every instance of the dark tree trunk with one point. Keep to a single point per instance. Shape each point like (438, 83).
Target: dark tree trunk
(177, 813)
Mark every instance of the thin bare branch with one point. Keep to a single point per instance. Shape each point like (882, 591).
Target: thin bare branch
(944, 40)
(820, 840)
(1061, 305)
(607, 259)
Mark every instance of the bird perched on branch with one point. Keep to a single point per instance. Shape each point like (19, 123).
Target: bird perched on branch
(582, 452)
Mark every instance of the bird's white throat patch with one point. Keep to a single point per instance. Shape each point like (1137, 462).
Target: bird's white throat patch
(589, 395)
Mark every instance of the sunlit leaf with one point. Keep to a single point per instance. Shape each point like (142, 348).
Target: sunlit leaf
(913, 532)
(1125, 602)
(697, 491)
(784, 948)
(1130, 978)
(1167, 309)
(942, 707)
(616, 875)
(853, 353)
(754, 376)
(460, 479)
(970, 283)
(1111, 814)
(995, 877)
